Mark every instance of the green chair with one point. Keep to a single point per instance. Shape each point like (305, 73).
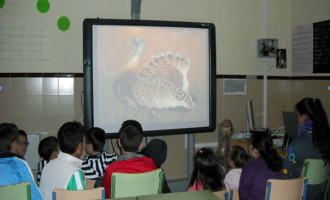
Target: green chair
(316, 172)
(21, 191)
(326, 189)
(136, 184)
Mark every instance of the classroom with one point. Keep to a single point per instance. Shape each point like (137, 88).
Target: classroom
(41, 66)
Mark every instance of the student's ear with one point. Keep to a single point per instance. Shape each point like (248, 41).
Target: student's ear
(13, 147)
(53, 155)
(119, 144)
(79, 150)
(140, 147)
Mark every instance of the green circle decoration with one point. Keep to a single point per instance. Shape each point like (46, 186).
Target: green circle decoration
(43, 6)
(63, 23)
(2, 3)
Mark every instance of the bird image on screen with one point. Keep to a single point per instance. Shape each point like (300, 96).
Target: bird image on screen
(160, 73)
(161, 84)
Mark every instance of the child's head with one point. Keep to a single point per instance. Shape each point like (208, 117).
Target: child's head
(70, 138)
(237, 157)
(48, 148)
(22, 144)
(8, 137)
(95, 140)
(261, 146)
(130, 136)
(206, 170)
(260, 143)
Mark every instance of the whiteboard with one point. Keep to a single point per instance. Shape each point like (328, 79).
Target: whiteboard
(31, 155)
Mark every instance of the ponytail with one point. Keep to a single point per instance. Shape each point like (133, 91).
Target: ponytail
(312, 107)
(263, 142)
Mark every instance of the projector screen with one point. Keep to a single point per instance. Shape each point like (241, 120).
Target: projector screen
(159, 73)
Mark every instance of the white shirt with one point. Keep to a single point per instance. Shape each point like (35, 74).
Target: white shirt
(232, 179)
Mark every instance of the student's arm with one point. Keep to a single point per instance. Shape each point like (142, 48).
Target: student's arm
(289, 163)
(89, 171)
(107, 182)
(77, 181)
(28, 176)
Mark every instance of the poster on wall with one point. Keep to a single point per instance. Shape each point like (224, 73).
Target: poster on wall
(280, 58)
(302, 49)
(267, 48)
(311, 48)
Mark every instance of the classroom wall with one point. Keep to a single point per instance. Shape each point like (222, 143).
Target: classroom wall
(42, 95)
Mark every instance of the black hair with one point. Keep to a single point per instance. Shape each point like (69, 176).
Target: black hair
(157, 150)
(47, 146)
(262, 141)
(239, 156)
(312, 107)
(206, 170)
(96, 137)
(23, 133)
(130, 135)
(8, 134)
(69, 136)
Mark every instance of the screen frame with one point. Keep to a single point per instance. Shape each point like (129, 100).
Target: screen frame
(88, 72)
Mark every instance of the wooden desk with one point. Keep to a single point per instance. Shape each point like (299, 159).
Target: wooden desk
(194, 195)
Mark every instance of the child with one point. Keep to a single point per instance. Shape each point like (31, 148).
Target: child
(130, 141)
(13, 169)
(206, 174)
(236, 160)
(266, 165)
(22, 144)
(226, 130)
(48, 150)
(313, 142)
(97, 160)
(64, 172)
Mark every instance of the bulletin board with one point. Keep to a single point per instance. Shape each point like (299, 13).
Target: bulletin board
(31, 155)
(40, 36)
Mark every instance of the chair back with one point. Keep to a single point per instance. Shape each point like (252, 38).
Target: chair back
(20, 191)
(315, 171)
(326, 189)
(286, 189)
(95, 193)
(136, 184)
(222, 194)
(234, 194)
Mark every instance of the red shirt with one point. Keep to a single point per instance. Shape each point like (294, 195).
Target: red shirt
(132, 165)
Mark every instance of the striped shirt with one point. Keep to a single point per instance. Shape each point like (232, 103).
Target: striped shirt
(94, 166)
(41, 165)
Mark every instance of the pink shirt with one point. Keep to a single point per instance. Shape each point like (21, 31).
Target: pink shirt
(194, 188)
(232, 179)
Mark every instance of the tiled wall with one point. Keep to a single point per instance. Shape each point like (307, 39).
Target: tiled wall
(44, 103)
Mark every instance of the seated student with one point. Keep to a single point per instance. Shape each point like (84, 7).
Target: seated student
(48, 150)
(206, 173)
(266, 165)
(130, 141)
(237, 158)
(224, 135)
(96, 160)
(156, 149)
(313, 141)
(13, 169)
(22, 144)
(64, 172)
